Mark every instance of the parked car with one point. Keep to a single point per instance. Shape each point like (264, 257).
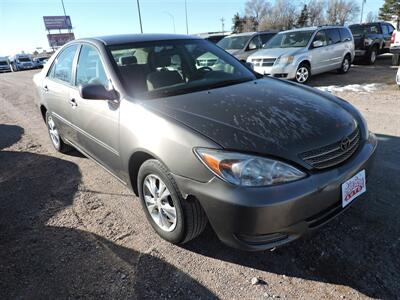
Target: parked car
(263, 160)
(40, 61)
(241, 45)
(4, 64)
(371, 39)
(21, 62)
(297, 54)
(395, 47)
(213, 37)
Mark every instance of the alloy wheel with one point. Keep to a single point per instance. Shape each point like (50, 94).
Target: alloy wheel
(159, 203)
(54, 135)
(302, 74)
(346, 65)
(373, 56)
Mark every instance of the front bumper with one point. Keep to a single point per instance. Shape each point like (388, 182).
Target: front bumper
(261, 218)
(5, 70)
(279, 71)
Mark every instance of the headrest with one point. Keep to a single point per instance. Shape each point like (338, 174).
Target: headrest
(161, 59)
(127, 60)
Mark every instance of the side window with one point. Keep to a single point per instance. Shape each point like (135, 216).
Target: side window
(373, 29)
(255, 43)
(62, 66)
(345, 35)
(333, 36)
(391, 29)
(266, 37)
(321, 36)
(90, 69)
(385, 30)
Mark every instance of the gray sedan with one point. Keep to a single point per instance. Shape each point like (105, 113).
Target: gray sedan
(262, 160)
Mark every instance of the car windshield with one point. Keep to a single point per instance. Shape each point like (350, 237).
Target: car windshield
(24, 59)
(234, 42)
(165, 68)
(294, 39)
(2, 63)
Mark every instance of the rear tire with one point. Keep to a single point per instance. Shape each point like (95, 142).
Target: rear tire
(396, 59)
(54, 135)
(190, 219)
(346, 65)
(371, 57)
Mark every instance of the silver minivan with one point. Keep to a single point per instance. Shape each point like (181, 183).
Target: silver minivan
(297, 54)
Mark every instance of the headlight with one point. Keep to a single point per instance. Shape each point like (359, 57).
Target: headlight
(285, 60)
(247, 170)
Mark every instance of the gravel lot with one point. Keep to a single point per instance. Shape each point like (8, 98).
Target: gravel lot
(70, 230)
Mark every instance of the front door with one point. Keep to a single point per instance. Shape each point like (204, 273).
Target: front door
(97, 121)
(57, 88)
(319, 55)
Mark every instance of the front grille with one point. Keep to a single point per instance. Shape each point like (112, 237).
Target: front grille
(264, 62)
(333, 154)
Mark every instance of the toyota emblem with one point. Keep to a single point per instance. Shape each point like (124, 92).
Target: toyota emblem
(345, 144)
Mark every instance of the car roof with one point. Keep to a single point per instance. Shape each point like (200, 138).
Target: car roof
(133, 38)
(313, 28)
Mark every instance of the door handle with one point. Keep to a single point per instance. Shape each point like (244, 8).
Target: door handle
(73, 103)
(45, 89)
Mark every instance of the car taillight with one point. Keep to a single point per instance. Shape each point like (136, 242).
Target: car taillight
(393, 37)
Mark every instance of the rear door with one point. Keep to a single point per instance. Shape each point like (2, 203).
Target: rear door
(387, 31)
(57, 88)
(97, 121)
(335, 48)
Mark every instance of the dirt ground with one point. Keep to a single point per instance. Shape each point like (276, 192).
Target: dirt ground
(70, 230)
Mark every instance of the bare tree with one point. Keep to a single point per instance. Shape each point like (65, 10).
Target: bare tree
(342, 11)
(282, 15)
(371, 17)
(257, 9)
(316, 12)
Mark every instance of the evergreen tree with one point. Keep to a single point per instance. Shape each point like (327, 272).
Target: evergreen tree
(304, 17)
(238, 23)
(390, 11)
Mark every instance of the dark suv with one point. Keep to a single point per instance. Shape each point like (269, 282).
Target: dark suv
(371, 39)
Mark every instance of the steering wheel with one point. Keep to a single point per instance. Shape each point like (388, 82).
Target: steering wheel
(208, 69)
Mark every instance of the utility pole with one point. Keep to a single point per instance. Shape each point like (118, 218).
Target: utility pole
(362, 9)
(223, 24)
(140, 17)
(187, 27)
(172, 18)
(65, 15)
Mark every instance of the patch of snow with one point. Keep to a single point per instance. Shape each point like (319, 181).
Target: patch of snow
(358, 88)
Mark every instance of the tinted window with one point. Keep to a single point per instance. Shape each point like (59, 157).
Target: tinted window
(62, 67)
(321, 36)
(234, 42)
(165, 68)
(372, 29)
(333, 36)
(385, 30)
(357, 30)
(390, 28)
(266, 37)
(90, 69)
(345, 35)
(255, 43)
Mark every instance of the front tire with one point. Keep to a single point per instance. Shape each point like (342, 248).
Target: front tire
(303, 73)
(175, 219)
(54, 135)
(346, 65)
(371, 57)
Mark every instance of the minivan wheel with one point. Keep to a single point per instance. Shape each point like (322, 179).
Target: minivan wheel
(372, 56)
(55, 137)
(346, 64)
(302, 73)
(174, 218)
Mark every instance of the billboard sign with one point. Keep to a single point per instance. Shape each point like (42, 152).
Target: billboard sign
(59, 39)
(57, 22)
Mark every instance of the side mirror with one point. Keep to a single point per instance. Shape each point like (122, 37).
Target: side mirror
(252, 46)
(96, 92)
(317, 44)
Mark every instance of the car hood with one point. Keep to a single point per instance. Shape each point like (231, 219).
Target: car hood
(232, 51)
(266, 116)
(276, 52)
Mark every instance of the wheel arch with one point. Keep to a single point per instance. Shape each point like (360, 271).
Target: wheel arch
(135, 162)
(43, 111)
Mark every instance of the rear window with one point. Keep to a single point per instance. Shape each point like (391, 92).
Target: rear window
(345, 35)
(333, 36)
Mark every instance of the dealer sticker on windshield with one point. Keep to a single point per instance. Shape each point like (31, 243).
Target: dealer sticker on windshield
(353, 188)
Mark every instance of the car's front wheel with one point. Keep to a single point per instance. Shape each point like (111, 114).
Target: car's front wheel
(54, 134)
(303, 73)
(174, 218)
(371, 57)
(346, 64)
